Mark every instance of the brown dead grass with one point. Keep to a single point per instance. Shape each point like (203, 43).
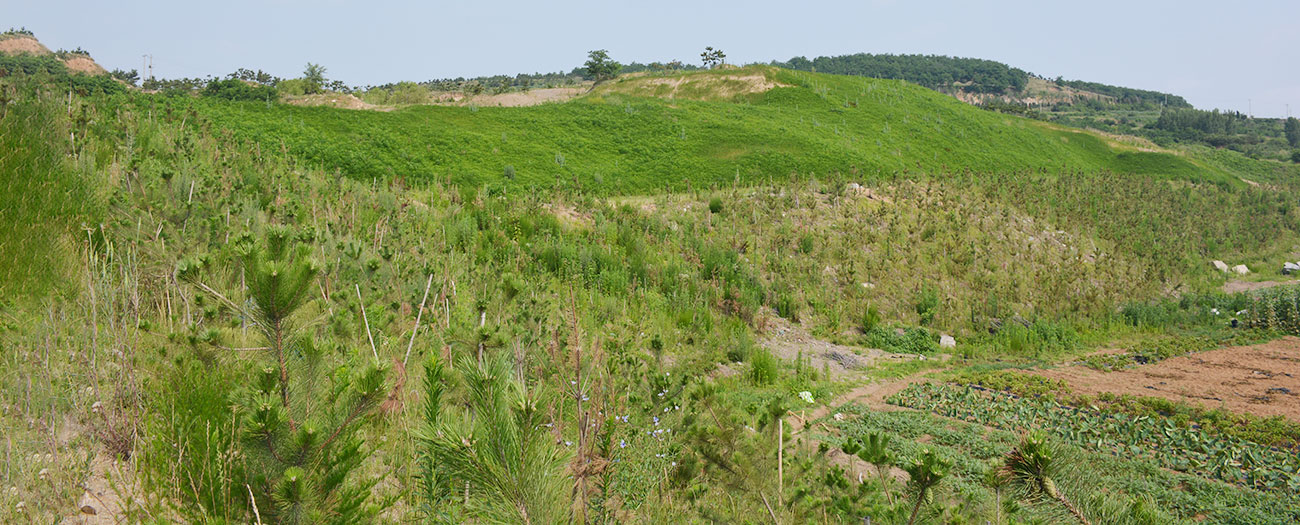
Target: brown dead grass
(1263, 379)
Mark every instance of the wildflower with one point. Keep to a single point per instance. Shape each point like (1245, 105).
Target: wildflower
(622, 444)
(806, 396)
(584, 398)
(839, 416)
(20, 507)
(656, 421)
(674, 463)
(665, 409)
(43, 474)
(568, 443)
(96, 407)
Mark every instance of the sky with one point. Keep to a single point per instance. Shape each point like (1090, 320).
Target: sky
(1242, 55)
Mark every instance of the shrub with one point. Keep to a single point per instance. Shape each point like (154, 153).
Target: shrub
(235, 89)
(763, 367)
(715, 205)
(806, 242)
(870, 320)
(927, 305)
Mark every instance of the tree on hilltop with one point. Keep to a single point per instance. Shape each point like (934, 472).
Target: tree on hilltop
(1293, 132)
(314, 74)
(600, 67)
(713, 57)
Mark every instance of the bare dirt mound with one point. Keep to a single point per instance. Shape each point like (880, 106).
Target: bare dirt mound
(83, 64)
(22, 44)
(335, 100)
(704, 85)
(1262, 380)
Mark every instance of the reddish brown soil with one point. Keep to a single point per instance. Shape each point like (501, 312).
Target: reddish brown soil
(1262, 379)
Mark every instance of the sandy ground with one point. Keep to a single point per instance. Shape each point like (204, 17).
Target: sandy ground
(1262, 379)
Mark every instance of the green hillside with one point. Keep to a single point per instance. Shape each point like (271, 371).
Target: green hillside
(622, 139)
(677, 298)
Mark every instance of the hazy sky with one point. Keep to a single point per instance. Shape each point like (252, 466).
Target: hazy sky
(1217, 54)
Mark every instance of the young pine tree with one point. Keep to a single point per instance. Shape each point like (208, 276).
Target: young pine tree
(300, 423)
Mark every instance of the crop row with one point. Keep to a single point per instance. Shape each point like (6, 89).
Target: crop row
(1186, 449)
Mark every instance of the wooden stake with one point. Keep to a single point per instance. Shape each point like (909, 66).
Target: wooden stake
(780, 461)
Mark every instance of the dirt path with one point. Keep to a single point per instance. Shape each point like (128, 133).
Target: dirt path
(1236, 285)
(1263, 379)
(872, 395)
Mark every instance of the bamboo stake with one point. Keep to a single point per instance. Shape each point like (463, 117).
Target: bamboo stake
(418, 315)
(367, 321)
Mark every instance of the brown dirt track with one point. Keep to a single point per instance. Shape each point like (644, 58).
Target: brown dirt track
(1262, 379)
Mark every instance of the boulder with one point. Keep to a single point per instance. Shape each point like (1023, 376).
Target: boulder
(947, 341)
(1290, 268)
(1240, 269)
(1221, 266)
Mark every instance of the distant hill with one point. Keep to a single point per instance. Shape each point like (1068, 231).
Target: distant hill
(642, 133)
(18, 42)
(974, 76)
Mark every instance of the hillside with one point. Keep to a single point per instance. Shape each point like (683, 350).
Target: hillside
(716, 127)
(741, 295)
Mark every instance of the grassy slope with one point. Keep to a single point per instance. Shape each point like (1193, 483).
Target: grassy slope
(820, 124)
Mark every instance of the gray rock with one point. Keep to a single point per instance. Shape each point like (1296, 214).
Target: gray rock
(1240, 269)
(947, 341)
(1221, 266)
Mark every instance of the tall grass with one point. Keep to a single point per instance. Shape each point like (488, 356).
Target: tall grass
(47, 194)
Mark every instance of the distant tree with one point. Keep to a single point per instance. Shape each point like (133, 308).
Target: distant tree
(713, 57)
(600, 67)
(130, 77)
(314, 74)
(1293, 132)
(1295, 157)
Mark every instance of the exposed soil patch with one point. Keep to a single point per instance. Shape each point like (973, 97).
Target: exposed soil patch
(531, 97)
(336, 100)
(1236, 286)
(23, 44)
(1263, 379)
(80, 64)
(788, 341)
